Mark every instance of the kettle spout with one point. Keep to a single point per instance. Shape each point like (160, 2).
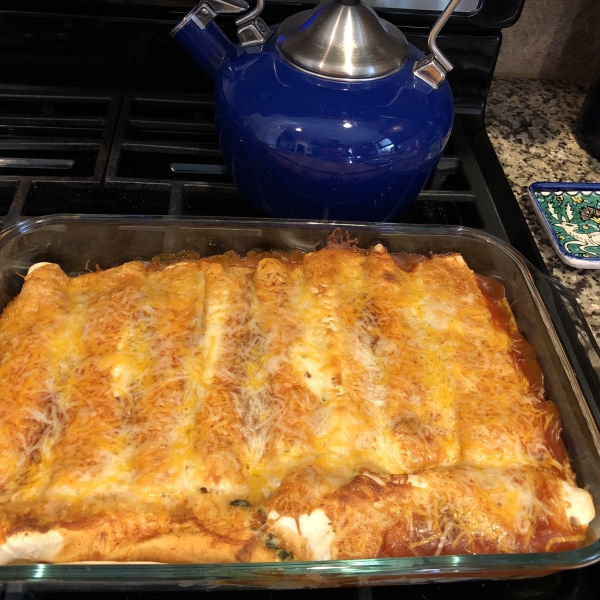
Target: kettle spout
(202, 38)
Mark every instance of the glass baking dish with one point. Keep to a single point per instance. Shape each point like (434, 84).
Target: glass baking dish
(79, 243)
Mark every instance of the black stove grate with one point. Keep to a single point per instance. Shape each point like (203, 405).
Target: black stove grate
(159, 154)
(49, 138)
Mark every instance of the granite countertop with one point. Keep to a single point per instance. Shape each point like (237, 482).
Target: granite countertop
(530, 124)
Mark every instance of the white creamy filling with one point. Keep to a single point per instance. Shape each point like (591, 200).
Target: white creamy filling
(31, 546)
(578, 504)
(316, 529)
(289, 523)
(35, 266)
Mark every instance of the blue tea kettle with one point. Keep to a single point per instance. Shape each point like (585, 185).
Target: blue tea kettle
(330, 115)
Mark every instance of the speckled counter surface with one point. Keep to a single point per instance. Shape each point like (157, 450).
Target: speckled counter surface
(530, 124)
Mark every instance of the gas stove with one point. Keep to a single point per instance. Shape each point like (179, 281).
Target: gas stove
(133, 153)
(102, 113)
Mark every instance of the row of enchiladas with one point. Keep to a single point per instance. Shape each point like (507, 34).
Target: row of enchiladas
(339, 404)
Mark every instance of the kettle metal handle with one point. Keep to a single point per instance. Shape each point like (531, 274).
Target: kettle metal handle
(251, 29)
(433, 68)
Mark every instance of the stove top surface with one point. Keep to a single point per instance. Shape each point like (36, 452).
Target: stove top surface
(157, 154)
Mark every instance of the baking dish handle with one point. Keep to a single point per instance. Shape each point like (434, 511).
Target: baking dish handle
(578, 341)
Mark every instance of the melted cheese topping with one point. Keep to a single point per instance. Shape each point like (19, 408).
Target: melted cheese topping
(366, 409)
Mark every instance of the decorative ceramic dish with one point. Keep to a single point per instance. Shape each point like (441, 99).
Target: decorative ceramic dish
(570, 215)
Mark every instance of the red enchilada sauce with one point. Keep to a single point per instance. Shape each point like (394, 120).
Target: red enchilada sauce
(525, 360)
(523, 353)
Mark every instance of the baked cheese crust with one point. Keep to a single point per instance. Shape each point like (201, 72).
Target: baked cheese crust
(339, 404)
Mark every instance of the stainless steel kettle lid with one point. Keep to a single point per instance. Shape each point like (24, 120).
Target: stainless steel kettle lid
(342, 39)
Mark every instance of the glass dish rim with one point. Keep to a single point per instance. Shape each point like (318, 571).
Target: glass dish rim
(466, 564)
